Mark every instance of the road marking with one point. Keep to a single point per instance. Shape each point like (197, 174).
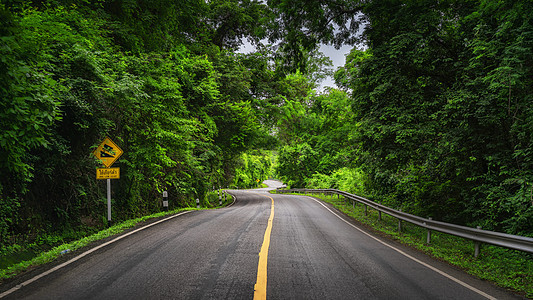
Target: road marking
(85, 254)
(261, 283)
(466, 285)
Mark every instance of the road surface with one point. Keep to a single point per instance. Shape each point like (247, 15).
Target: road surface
(308, 251)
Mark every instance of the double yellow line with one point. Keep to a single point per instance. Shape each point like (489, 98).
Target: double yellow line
(261, 283)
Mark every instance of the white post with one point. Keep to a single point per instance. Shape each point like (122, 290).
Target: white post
(477, 245)
(165, 200)
(399, 224)
(428, 238)
(108, 201)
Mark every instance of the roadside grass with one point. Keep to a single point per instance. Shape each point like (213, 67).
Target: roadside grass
(507, 268)
(60, 250)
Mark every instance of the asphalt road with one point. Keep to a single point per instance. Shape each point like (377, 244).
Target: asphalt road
(313, 253)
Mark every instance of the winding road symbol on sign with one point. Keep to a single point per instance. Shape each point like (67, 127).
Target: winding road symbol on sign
(108, 152)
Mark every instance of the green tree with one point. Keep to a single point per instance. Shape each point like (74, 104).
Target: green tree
(296, 164)
(252, 168)
(232, 21)
(301, 26)
(439, 101)
(142, 73)
(444, 144)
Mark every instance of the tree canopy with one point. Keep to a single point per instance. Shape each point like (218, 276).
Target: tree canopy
(440, 112)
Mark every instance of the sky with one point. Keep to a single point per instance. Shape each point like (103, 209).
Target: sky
(338, 57)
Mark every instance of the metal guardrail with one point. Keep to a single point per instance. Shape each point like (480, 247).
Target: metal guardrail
(477, 235)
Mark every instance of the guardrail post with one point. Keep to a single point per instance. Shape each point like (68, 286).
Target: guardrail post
(366, 210)
(477, 245)
(428, 239)
(379, 213)
(197, 203)
(399, 224)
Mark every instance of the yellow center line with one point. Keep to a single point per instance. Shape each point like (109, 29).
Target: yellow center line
(261, 283)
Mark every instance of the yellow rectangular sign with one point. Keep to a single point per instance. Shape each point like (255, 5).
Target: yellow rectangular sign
(108, 173)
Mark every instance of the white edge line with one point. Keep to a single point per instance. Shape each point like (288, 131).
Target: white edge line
(85, 254)
(411, 257)
(234, 200)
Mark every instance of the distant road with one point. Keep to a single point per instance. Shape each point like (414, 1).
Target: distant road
(312, 253)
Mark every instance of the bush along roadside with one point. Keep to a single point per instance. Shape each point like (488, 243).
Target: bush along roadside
(506, 268)
(31, 256)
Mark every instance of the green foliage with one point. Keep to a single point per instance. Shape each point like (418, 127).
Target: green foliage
(252, 168)
(296, 164)
(302, 25)
(317, 133)
(28, 107)
(439, 116)
(141, 73)
(233, 20)
(52, 70)
(448, 144)
(343, 179)
(348, 74)
(177, 140)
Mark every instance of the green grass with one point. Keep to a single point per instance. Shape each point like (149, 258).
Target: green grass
(507, 268)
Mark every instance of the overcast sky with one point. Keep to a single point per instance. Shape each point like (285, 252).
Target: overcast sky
(338, 57)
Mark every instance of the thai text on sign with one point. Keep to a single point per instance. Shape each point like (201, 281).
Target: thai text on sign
(108, 173)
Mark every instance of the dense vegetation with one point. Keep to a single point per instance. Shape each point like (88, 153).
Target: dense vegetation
(433, 113)
(437, 118)
(178, 100)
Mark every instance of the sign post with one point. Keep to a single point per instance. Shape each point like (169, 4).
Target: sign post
(108, 152)
(109, 202)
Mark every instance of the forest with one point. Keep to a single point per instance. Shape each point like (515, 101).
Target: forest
(432, 112)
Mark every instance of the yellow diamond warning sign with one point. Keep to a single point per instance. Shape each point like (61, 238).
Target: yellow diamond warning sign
(108, 152)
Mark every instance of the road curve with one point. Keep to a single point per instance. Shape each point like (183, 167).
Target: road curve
(313, 253)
